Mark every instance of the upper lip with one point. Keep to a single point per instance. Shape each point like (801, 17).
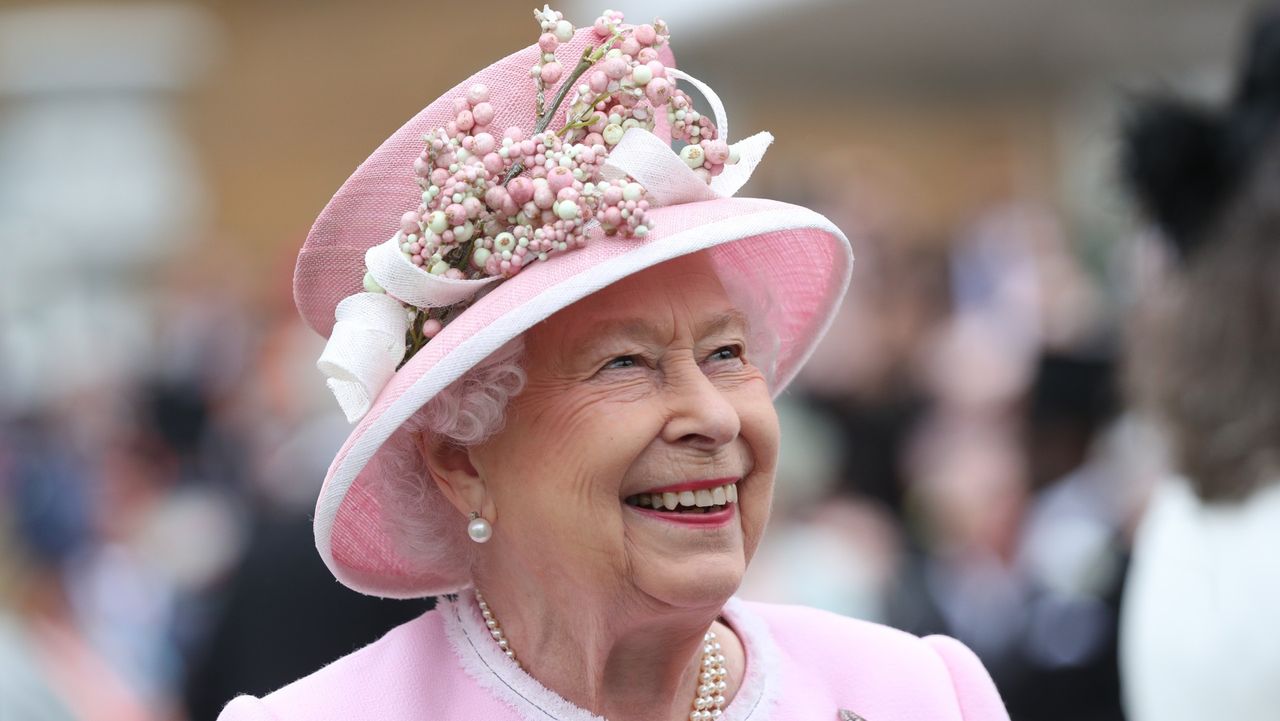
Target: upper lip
(690, 485)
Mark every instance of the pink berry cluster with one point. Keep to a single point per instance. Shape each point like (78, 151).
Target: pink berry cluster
(555, 30)
(494, 201)
(627, 86)
(470, 224)
(704, 151)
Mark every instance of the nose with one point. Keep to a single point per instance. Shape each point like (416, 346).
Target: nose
(701, 415)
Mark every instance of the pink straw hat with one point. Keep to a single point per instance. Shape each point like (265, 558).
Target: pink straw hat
(799, 261)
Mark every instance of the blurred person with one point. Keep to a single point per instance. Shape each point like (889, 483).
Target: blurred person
(52, 667)
(125, 594)
(1199, 625)
(1019, 543)
(580, 460)
(1073, 541)
(827, 547)
(1004, 517)
(860, 377)
(256, 633)
(1015, 265)
(967, 494)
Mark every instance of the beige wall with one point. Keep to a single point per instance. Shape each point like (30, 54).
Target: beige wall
(306, 90)
(303, 90)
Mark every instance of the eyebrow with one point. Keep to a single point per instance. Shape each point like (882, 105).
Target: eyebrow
(725, 321)
(637, 328)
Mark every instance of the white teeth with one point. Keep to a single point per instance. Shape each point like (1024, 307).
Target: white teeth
(702, 498)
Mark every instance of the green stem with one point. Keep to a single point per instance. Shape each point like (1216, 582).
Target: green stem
(464, 256)
(414, 338)
(585, 119)
(590, 56)
(586, 62)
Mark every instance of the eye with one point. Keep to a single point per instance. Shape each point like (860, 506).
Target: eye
(622, 361)
(728, 352)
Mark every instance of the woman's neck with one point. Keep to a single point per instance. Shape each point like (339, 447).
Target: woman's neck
(620, 660)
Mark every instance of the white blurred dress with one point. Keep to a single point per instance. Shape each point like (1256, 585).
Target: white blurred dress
(1200, 623)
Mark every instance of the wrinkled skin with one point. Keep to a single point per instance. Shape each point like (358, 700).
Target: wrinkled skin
(644, 384)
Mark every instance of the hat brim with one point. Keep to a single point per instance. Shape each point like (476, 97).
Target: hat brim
(796, 258)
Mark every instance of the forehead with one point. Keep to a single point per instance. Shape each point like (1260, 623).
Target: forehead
(686, 288)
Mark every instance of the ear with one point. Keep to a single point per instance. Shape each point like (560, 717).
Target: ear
(456, 476)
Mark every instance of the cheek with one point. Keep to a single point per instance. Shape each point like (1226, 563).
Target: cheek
(570, 449)
(760, 431)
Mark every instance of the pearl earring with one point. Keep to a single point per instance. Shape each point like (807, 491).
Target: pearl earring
(479, 529)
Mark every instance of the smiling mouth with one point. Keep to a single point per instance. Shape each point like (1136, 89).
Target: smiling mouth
(703, 500)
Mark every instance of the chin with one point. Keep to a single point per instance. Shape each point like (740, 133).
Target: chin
(704, 582)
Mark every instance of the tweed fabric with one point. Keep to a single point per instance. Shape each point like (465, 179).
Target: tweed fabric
(802, 665)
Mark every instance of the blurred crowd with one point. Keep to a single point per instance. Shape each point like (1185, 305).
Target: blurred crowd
(976, 474)
(959, 457)
(157, 556)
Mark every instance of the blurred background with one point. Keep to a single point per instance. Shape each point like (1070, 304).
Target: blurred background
(957, 458)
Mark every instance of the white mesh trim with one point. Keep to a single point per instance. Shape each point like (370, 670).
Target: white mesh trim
(363, 351)
(485, 663)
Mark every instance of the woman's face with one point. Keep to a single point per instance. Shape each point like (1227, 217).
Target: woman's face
(642, 394)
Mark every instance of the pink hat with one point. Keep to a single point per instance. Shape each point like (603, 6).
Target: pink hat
(394, 251)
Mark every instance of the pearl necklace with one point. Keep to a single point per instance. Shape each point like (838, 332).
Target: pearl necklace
(495, 630)
(709, 702)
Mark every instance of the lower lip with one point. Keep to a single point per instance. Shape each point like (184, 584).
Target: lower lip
(713, 518)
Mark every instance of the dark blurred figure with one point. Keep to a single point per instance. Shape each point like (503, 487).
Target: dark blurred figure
(282, 616)
(54, 664)
(1200, 627)
(1072, 400)
(1020, 549)
(278, 614)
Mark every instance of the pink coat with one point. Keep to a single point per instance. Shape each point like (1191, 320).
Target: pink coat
(802, 665)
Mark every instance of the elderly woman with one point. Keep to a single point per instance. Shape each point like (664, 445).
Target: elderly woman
(562, 364)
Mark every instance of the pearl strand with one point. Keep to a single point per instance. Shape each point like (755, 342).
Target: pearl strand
(495, 629)
(708, 704)
(712, 681)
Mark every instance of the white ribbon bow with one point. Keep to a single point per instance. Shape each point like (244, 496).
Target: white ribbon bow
(368, 340)
(666, 178)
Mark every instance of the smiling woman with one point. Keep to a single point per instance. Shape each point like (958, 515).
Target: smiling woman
(643, 387)
(561, 369)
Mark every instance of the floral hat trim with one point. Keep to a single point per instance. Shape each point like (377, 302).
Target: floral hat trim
(493, 204)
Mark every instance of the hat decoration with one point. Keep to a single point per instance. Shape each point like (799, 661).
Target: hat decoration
(496, 200)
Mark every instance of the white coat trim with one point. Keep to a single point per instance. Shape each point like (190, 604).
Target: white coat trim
(492, 670)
